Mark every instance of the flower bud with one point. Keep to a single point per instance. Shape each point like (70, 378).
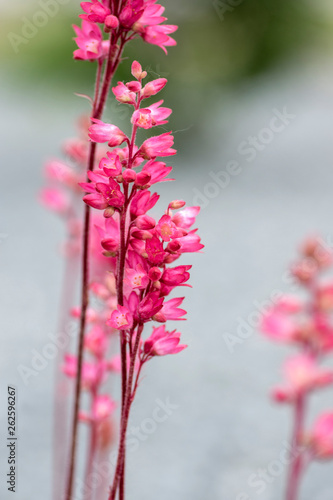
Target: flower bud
(129, 175)
(137, 72)
(155, 273)
(141, 235)
(174, 205)
(134, 86)
(145, 222)
(108, 212)
(111, 22)
(142, 179)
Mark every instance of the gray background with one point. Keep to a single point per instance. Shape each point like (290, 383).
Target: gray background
(225, 427)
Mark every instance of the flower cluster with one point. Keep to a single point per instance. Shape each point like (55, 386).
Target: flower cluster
(306, 324)
(126, 21)
(143, 249)
(121, 188)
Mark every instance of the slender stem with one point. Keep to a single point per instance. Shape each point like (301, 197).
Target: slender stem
(124, 423)
(98, 83)
(296, 466)
(97, 112)
(92, 451)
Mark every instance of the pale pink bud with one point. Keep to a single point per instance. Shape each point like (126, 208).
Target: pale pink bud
(174, 205)
(153, 87)
(137, 71)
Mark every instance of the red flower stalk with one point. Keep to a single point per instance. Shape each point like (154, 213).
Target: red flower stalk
(125, 261)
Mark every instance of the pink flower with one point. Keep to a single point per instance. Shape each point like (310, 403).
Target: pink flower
(157, 171)
(56, 170)
(151, 16)
(149, 306)
(159, 35)
(171, 311)
(92, 373)
(176, 276)
(110, 235)
(161, 343)
(278, 326)
(142, 202)
(186, 218)
(152, 116)
(121, 319)
(302, 375)
(123, 94)
(103, 407)
(105, 132)
(189, 243)
(167, 229)
(157, 146)
(111, 165)
(145, 222)
(131, 12)
(153, 87)
(55, 200)
(137, 278)
(89, 41)
(104, 195)
(114, 365)
(322, 436)
(96, 341)
(155, 251)
(96, 11)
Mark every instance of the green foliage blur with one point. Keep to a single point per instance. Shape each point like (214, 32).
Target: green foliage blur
(220, 45)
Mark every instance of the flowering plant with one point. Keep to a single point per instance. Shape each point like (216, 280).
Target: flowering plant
(127, 256)
(306, 325)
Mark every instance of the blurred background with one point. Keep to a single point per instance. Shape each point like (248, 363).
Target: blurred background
(251, 87)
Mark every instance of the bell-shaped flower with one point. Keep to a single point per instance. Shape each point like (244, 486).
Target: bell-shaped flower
(176, 276)
(96, 11)
(111, 164)
(103, 407)
(106, 132)
(186, 218)
(96, 341)
(121, 319)
(168, 229)
(142, 202)
(152, 116)
(155, 251)
(171, 311)
(149, 306)
(157, 171)
(302, 375)
(321, 437)
(162, 342)
(159, 35)
(123, 94)
(137, 278)
(89, 41)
